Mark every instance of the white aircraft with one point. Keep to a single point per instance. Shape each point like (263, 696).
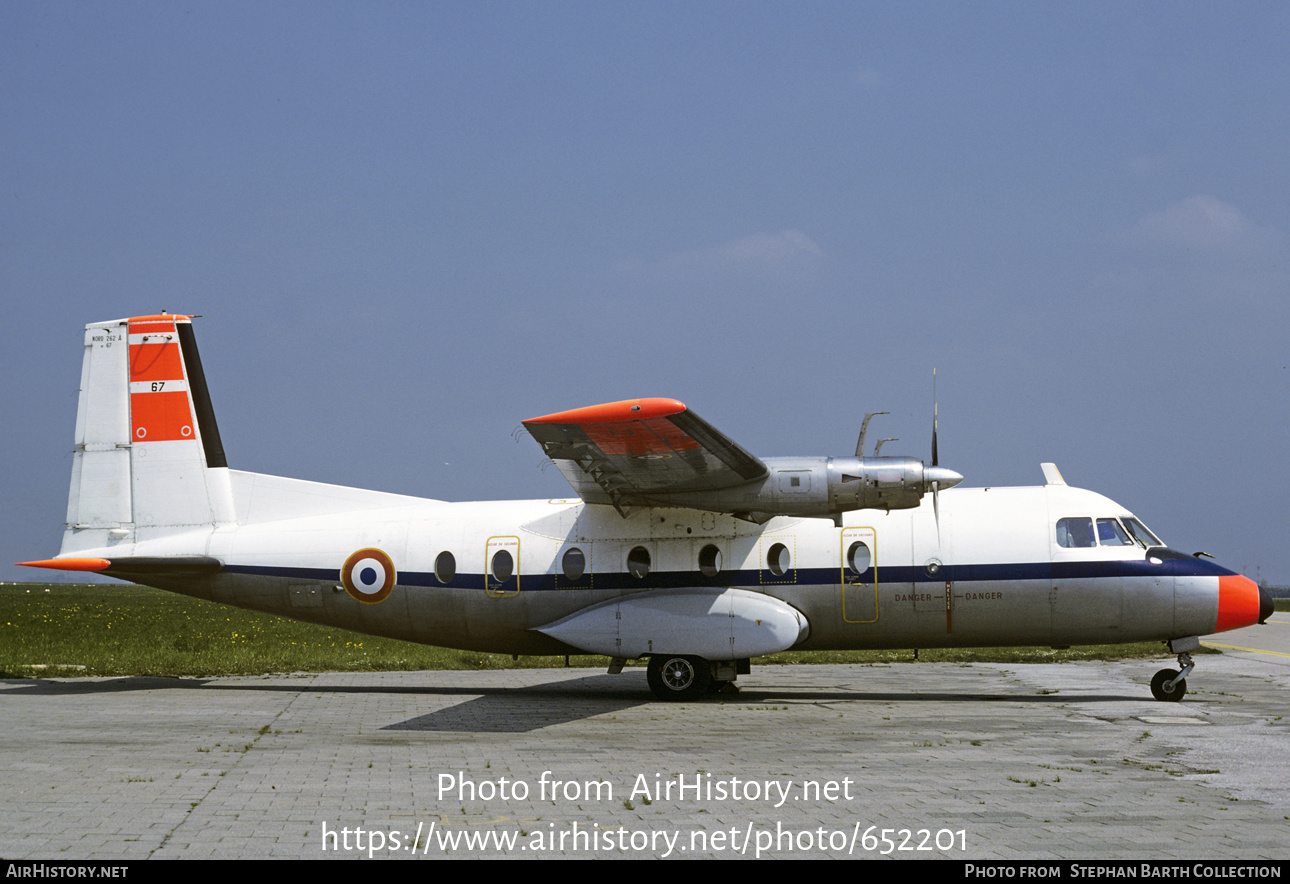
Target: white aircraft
(683, 548)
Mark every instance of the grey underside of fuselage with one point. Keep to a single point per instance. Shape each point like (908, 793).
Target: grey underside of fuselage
(886, 615)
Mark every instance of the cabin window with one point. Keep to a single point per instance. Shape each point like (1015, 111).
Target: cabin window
(710, 561)
(445, 567)
(779, 560)
(859, 557)
(503, 566)
(574, 563)
(1111, 533)
(1075, 533)
(638, 562)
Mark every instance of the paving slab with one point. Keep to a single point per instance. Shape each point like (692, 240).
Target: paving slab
(911, 760)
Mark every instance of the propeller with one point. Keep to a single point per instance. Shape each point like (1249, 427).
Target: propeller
(934, 476)
(937, 475)
(936, 462)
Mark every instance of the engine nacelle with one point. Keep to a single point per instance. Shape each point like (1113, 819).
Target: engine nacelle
(889, 483)
(822, 487)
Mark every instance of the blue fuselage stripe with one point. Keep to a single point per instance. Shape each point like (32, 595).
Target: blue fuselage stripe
(903, 574)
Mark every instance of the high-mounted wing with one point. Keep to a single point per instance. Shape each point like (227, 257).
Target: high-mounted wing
(656, 452)
(626, 453)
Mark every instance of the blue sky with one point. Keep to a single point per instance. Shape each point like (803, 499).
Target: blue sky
(409, 226)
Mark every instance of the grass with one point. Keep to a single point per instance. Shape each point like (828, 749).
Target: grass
(64, 629)
(111, 629)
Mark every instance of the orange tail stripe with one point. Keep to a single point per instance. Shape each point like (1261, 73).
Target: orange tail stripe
(161, 417)
(155, 362)
(151, 328)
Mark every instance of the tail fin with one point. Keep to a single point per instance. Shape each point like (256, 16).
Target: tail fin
(148, 459)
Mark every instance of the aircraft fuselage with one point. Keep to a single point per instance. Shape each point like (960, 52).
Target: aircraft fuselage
(991, 574)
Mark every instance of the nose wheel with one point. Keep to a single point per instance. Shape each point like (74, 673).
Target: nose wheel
(1169, 685)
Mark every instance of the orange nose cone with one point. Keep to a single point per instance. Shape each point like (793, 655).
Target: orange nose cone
(1238, 602)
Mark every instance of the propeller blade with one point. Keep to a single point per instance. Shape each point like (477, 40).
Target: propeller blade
(936, 461)
(936, 509)
(937, 475)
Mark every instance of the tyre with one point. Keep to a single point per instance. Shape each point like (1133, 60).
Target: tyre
(677, 677)
(1168, 694)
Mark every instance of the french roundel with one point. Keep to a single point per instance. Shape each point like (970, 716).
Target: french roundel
(368, 576)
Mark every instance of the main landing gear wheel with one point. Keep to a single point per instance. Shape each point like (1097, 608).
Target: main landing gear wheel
(1167, 686)
(675, 677)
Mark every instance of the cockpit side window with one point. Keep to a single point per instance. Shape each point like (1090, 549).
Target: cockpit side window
(1141, 534)
(1075, 533)
(1111, 533)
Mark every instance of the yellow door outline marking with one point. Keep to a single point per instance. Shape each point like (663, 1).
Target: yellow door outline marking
(492, 546)
(846, 581)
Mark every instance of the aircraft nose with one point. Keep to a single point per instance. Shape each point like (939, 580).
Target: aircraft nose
(944, 478)
(1241, 602)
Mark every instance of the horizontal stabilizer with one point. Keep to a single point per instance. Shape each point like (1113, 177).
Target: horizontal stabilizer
(123, 566)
